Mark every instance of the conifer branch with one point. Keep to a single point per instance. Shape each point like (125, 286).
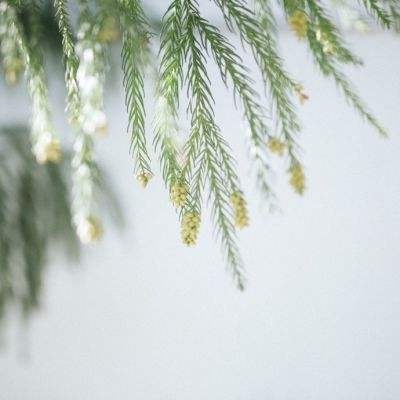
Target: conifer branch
(70, 59)
(134, 99)
(328, 68)
(374, 8)
(134, 47)
(92, 120)
(170, 78)
(230, 66)
(45, 144)
(218, 164)
(203, 163)
(329, 33)
(279, 84)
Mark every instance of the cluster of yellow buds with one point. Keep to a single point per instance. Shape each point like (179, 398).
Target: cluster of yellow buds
(178, 194)
(143, 178)
(327, 46)
(239, 206)
(190, 228)
(303, 97)
(89, 229)
(47, 150)
(12, 69)
(276, 145)
(297, 178)
(109, 30)
(298, 22)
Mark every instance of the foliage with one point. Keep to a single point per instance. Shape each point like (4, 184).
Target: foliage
(198, 164)
(35, 219)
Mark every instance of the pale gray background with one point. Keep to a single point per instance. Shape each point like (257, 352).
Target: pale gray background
(145, 318)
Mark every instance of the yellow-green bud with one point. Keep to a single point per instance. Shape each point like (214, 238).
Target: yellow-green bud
(276, 145)
(297, 178)
(190, 227)
(178, 194)
(143, 178)
(298, 22)
(240, 214)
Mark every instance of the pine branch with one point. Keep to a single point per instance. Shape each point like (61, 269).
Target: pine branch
(42, 134)
(134, 46)
(218, 164)
(279, 84)
(92, 120)
(134, 99)
(70, 59)
(169, 84)
(377, 12)
(221, 213)
(330, 34)
(328, 68)
(328, 65)
(32, 242)
(266, 18)
(231, 66)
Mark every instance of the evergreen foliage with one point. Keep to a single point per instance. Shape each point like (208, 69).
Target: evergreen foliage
(195, 165)
(35, 219)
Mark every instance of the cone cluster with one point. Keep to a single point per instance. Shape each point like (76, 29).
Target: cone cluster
(276, 145)
(190, 228)
(297, 178)
(240, 214)
(178, 194)
(143, 178)
(298, 22)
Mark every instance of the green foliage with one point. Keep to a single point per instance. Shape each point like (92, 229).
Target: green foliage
(277, 81)
(35, 220)
(328, 68)
(170, 78)
(35, 215)
(198, 162)
(134, 58)
(232, 68)
(70, 59)
(206, 141)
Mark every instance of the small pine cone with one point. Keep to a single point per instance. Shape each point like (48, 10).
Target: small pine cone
(48, 150)
(297, 178)
(240, 214)
(298, 22)
(276, 145)
(143, 178)
(178, 194)
(190, 227)
(89, 229)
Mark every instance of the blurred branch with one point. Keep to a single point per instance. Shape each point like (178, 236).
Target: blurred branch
(35, 218)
